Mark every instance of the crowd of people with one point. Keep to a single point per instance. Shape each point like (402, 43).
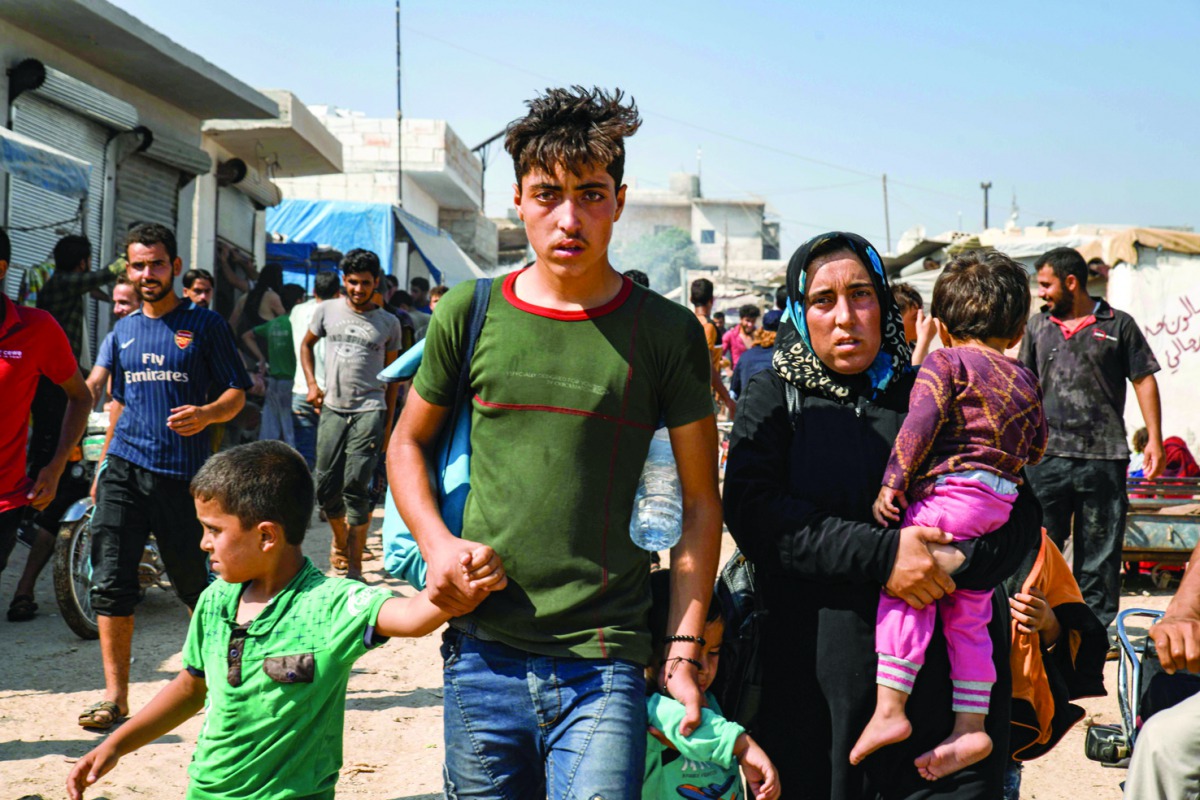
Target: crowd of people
(903, 507)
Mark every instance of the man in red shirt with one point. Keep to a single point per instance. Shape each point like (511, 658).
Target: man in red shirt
(32, 345)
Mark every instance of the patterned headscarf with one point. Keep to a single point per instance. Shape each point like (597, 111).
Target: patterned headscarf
(794, 358)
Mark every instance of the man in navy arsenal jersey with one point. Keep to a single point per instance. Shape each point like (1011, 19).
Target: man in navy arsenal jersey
(165, 358)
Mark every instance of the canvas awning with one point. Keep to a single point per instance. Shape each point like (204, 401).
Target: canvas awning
(43, 166)
(447, 263)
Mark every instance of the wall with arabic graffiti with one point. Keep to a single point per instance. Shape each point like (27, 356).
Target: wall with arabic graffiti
(1163, 294)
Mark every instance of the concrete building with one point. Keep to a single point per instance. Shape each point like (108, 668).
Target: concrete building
(87, 81)
(442, 178)
(733, 237)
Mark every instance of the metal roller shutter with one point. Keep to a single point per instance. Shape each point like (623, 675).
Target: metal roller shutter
(147, 191)
(33, 207)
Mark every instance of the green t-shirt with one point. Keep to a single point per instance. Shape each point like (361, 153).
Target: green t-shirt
(281, 353)
(278, 734)
(564, 408)
(701, 765)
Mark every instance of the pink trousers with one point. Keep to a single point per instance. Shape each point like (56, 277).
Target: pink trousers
(968, 509)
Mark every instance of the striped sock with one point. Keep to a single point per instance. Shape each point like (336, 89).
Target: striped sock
(896, 673)
(972, 696)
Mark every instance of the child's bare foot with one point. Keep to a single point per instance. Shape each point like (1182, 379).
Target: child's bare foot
(886, 727)
(960, 749)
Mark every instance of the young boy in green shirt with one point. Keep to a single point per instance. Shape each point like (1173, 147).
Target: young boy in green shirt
(271, 644)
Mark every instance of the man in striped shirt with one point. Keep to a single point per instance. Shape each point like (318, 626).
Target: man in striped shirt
(165, 358)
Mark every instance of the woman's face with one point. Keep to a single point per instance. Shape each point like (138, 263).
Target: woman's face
(842, 312)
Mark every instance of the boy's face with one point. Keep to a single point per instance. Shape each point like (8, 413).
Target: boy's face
(910, 324)
(710, 654)
(568, 218)
(235, 552)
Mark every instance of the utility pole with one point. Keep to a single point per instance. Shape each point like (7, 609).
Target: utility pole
(399, 119)
(986, 185)
(887, 222)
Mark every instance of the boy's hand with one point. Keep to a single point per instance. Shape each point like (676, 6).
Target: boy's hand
(89, 769)
(1031, 611)
(188, 420)
(759, 771)
(888, 504)
(483, 569)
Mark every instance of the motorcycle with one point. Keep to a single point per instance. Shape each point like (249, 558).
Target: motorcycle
(73, 545)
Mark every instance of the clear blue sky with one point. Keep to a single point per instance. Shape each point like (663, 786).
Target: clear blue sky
(1090, 111)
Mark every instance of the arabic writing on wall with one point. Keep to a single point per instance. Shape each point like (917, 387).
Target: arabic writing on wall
(1167, 335)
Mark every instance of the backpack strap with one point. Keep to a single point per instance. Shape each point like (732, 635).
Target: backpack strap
(475, 318)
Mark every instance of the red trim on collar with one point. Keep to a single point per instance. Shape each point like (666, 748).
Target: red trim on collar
(510, 294)
(1073, 327)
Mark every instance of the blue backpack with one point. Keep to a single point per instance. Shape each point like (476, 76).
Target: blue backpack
(401, 556)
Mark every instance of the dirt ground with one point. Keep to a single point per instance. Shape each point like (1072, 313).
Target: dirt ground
(393, 738)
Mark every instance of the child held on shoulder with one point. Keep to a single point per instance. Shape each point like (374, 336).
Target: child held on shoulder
(704, 765)
(271, 644)
(975, 420)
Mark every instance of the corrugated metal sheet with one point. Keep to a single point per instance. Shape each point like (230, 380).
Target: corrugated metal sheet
(183, 157)
(147, 191)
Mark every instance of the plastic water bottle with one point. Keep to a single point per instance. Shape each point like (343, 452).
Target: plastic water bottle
(657, 521)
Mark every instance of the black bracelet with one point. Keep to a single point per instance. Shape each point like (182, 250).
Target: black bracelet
(681, 638)
(691, 661)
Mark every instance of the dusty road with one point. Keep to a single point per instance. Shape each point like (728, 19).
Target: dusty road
(393, 739)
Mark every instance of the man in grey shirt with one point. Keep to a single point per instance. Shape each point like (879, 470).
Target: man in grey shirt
(356, 410)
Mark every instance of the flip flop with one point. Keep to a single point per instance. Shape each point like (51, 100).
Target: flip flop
(91, 717)
(337, 559)
(368, 555)
(22, 609)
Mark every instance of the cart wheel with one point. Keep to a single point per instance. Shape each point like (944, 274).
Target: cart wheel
(1161, 577)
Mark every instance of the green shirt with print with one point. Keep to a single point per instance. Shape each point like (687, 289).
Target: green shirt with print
(281, 351)
(278, 733)
(564, 408)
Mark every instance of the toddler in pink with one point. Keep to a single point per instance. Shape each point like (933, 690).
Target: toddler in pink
(974, 421)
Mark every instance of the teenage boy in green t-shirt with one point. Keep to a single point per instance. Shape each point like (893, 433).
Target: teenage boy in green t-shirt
(573, 371)
(271, 644)
(280, 366)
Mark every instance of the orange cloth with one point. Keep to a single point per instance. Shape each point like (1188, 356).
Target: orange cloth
(1052, 575)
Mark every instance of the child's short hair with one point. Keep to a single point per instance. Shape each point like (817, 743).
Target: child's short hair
(438, 291)
(1141, 438)
(660, 609)
(982, 295)
(573, 128)
(265, 481)
(906, 297)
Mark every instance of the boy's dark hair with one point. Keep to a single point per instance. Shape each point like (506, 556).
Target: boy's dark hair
(69, 251)
(781, 298)
(265, 481)
(5, 246)
(982, 295)
(1064, 261)
(1141, 438)
(151, 233)
(392, 281)
(660, 607)
(419, 283)
(574, 128)
(718, 315)
(193, 275)
(907, 297)
(359, 260)
(702, 292)
(748, 311)
(638, 277)
(289, 295)
(326, 285)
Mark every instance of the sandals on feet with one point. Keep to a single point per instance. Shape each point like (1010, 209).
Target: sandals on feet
(101, 716)
(337, 559)
(22, 608)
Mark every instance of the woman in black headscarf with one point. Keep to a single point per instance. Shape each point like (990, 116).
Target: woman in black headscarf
(809, 447)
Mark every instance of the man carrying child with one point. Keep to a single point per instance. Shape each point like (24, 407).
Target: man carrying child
(574, 369)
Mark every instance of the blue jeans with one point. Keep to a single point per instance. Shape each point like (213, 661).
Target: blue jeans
(520, 726)
(304, 428)
(1012, 780)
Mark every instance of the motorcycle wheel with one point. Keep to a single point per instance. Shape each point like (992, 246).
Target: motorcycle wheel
(73, 577)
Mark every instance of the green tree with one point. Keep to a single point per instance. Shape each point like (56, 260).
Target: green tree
(661, 256)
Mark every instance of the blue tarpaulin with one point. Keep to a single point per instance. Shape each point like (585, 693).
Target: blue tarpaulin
(346, 225)
(43, 166)
(297, 263)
